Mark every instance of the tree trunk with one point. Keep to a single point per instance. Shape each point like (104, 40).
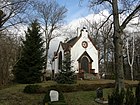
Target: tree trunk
(47, 50)
(132, 60)
(118, 50)
(105, 59)
(132, 77)
(46, 59)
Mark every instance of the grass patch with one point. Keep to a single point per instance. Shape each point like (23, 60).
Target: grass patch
(84, 97)
(13, 95)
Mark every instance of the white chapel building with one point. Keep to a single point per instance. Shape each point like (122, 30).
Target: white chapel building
(84, 55)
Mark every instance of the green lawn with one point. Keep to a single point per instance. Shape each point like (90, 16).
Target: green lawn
(13, 95)
(84, 97)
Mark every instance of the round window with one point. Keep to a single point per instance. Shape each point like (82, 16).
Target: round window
(84, 44)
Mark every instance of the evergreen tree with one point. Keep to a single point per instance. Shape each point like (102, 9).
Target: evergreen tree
(31, 62)
(137, 94)
(66, 75)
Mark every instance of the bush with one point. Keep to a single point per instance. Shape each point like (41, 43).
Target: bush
(137, 93)
(65, 87)
(48, 100)
(32, 89)
(130, 98)
(116, 98)
(57, 103)
(46, 97)
(66, 75)
(79, 87)
(123, 98)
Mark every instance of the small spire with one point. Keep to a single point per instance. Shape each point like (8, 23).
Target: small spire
(84, 27)
(84, 32)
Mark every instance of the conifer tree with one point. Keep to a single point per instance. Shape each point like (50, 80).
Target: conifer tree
(66, 74)
(28, 68)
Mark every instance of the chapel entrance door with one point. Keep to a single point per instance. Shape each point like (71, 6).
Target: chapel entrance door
(85, 64)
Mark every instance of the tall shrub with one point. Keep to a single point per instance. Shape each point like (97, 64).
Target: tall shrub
(31, 61)
(116, 98)
(66, 75)
(137, 94)
(130, 98)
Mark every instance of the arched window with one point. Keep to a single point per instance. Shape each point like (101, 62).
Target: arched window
(60, 61)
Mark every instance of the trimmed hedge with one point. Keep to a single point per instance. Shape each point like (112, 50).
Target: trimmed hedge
(65, 87)
(32, 89)
(69, 87)
(80, 87)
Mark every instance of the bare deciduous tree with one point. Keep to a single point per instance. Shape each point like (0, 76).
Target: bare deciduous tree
(51, 16)
(11, 12)
(131, 60)
(8, 55)
(129, 8)
(137, 56)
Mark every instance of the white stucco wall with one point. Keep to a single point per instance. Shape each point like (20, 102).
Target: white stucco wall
(77, 50)
(56, 60)
(56, 66)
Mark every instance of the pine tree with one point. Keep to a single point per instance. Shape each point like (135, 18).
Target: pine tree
(30, 64)
(66, 75)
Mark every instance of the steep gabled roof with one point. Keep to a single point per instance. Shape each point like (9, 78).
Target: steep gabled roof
(73, 41)
(66, 46)
(86, 54)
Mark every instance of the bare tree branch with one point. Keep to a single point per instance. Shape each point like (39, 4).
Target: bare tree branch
(98, 2)
(117, 7)
(52, 15)
(105, 21)
(11, 10)
(129, 18)
(13, 3)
